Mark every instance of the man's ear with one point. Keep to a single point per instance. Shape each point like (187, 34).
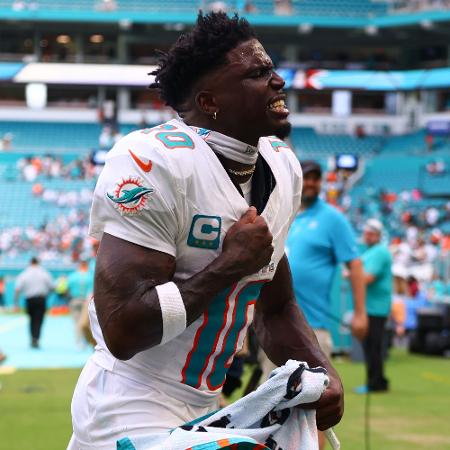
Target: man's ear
(206, 102)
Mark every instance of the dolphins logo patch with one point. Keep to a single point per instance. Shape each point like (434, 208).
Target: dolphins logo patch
(130, 196)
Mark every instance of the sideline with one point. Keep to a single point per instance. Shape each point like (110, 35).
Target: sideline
(12, 325)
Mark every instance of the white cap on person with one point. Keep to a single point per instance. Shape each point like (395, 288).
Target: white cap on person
(374, 225)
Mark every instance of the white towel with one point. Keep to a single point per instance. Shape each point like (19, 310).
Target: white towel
(265, 419)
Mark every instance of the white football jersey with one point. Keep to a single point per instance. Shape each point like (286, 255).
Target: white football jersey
(165, 189)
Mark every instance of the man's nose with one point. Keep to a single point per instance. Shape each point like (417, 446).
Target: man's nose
(277, 81)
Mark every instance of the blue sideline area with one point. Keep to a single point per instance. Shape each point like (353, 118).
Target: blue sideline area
(58, 345)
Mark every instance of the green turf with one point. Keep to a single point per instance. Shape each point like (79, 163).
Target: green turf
(413, 415)
(35, 407)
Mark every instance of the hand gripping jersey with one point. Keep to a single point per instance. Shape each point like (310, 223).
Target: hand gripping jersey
(165, 189)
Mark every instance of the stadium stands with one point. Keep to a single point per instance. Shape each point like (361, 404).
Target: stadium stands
(436, 184)
(344, 8)
(310, 144)
(42, 137)
(59, 203)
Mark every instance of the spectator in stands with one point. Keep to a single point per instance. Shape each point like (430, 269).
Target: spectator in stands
(401, 261)
(437, 288)
(429, 141)
(35, 283)
(432, 216)
(250, 7)
(6, 142)
(320, 239)
(436, 167)
(29, 170)
(414, 300)
(105, 139)
(378, 279)
(80, 286)
(56, 168)
(360, 132)
(283, 7)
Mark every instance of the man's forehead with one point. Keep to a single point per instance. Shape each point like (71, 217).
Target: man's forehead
(249, 52)
(238, 61)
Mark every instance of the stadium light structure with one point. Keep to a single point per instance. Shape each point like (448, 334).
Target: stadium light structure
(63, 39)
(96, 38)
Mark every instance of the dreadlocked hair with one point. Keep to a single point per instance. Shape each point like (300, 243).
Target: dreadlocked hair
(196, 53)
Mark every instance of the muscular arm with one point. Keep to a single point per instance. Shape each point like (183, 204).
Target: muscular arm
(284, 334)
(126, 274)
(359, 321)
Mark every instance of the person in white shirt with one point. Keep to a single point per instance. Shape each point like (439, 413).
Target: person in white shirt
(35, 284)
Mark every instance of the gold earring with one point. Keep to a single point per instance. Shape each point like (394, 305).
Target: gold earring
(214, 116)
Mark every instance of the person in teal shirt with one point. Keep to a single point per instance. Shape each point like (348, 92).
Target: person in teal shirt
(377, 262)
(319, 240)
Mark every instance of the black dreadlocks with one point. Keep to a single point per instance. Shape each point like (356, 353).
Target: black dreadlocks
(198, 52)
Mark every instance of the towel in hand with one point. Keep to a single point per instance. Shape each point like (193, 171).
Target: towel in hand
(267, 418)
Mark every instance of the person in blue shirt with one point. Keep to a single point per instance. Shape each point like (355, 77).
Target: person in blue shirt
(320, 239)
(377, 262)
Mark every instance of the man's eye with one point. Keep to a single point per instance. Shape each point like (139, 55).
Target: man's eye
(261, 72)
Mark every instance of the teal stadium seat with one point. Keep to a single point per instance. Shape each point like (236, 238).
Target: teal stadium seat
(307, 8)
(310, 145)
(42, 137)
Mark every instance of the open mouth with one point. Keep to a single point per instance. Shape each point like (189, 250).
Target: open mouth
(278, 106)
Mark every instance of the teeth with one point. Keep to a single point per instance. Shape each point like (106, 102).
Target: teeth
(279, 104)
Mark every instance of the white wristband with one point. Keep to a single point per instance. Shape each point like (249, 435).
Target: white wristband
(172, 310)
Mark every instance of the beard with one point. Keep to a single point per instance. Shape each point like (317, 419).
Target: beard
(283, 131)
(309, 199)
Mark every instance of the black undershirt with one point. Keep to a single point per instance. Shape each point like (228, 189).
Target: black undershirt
(263, 183)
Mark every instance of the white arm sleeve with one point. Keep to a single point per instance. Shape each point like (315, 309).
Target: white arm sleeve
(135, 202)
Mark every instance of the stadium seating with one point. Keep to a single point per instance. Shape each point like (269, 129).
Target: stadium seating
(42, 137)
(328, 8)
(436, 185)
(20, 208)
(394, 164)
(310, 145)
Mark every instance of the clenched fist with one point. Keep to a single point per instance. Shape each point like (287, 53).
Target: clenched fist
(248, 243)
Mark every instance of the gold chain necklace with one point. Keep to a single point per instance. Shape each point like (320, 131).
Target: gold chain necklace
(242, 173)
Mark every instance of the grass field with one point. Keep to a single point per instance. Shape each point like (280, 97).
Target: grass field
(35, 407)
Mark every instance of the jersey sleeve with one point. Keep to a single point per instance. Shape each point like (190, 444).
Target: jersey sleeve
(343, 239)
(297, 182)
(137, 197)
